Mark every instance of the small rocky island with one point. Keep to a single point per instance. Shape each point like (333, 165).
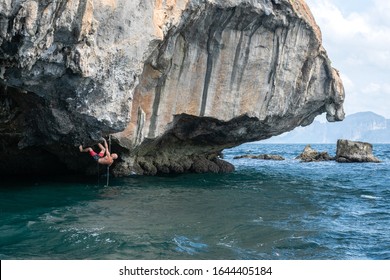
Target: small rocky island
(309, 155)
(352, 151)
(347, 151)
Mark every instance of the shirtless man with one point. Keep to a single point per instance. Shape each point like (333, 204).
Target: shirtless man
(106, 159)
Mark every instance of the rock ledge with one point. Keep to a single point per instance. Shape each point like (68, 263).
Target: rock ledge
(262, 156)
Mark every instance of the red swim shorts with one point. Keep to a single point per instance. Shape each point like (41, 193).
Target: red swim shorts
(95, 155)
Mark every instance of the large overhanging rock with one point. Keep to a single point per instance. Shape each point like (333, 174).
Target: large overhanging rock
(178, 81)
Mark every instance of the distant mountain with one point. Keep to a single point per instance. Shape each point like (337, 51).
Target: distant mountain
(364, 126)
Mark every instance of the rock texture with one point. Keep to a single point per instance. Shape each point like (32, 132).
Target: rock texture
(177, 81)
(263, 157)
(309, 155)
(352, 151)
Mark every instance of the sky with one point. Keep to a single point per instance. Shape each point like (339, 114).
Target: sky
(356, 36)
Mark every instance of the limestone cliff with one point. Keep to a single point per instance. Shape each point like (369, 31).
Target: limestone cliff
(176, 80)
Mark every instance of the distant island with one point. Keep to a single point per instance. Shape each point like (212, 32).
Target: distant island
(363, 126)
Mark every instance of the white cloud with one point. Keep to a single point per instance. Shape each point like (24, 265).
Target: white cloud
(348, 83)
(356, 35)
(339, 27)
(362, 33)
(372, 88)
(381, 11)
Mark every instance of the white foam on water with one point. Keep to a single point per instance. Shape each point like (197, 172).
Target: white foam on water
(371, 197)
(30, 223)
(184, 244)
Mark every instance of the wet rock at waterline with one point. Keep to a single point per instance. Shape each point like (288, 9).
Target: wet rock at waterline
(262, 156)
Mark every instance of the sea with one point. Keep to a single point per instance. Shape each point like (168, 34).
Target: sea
(268, 210)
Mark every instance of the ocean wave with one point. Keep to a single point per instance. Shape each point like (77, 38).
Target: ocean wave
(184, 244)
(371, 197)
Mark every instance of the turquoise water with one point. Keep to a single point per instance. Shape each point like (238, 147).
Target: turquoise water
(264, 210)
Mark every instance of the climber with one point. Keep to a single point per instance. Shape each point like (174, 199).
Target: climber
(104, 157)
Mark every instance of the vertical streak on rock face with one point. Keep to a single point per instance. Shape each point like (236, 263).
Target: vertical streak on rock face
(220, 21)
(237, 57)
(85, 13)
(140, 126)
(156, 106)
(274, 63)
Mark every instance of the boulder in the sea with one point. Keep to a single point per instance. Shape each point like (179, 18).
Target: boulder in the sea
(354, 151)
(262, 156)
(309, 155)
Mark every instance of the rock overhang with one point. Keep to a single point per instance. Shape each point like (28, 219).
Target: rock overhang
(233, 71)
